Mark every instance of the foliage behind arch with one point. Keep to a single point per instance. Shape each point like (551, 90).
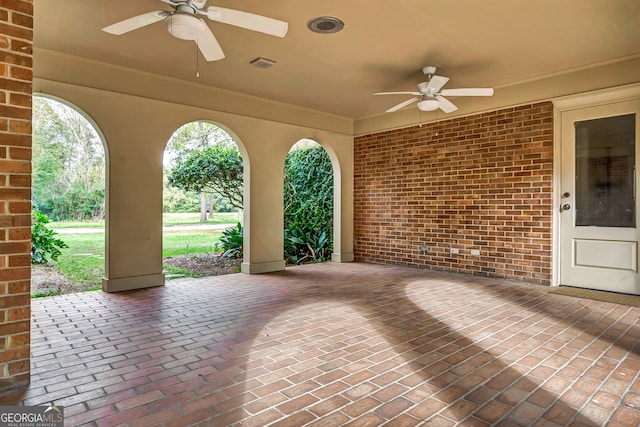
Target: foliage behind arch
(68, 163)
(308, 195)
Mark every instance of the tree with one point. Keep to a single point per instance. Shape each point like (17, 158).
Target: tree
(196, 136)
(68, 162)
(217, 169)
(308, 194)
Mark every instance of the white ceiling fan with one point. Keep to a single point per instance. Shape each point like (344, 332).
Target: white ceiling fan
(430, 95)
(184, 23)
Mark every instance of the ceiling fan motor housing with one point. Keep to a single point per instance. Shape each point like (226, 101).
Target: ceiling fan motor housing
(423, 87)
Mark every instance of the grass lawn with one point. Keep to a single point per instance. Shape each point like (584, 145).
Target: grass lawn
(189, 242)
(83, 261)
(168, 219)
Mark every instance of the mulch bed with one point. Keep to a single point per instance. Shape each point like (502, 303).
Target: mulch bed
(205, 264)
(47, 281)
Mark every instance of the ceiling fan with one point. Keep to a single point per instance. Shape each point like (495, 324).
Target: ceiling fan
(184, 23)
(430, 95)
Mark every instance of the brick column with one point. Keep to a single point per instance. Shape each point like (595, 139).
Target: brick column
(16, 76)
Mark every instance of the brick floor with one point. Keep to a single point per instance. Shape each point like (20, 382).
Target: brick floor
(332, 345)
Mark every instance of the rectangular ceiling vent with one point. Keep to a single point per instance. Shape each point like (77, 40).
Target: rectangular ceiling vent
(261, 62)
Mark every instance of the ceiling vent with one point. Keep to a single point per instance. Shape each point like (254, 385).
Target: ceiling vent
(325, 25)
(261, 62)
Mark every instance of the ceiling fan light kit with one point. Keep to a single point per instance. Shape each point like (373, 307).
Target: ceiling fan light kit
(428, 105)
(184, 27)
(430, 95)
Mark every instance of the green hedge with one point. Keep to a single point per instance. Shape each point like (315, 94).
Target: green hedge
(308, 195)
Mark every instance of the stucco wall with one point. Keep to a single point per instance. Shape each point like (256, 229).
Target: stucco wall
(136, 129)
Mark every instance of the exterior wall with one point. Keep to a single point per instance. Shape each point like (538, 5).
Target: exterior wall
(478, 183)
(135, 134)
(16, 36)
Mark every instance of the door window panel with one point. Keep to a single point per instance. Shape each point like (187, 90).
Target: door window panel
(605, 172)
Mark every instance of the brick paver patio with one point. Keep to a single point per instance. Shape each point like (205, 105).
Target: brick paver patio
(333, 345)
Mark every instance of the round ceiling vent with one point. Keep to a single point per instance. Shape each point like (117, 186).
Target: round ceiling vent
(325, 24)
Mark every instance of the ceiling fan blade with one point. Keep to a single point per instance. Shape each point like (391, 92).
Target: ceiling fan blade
(436, 83)
(446, 105)
(136, 22)
(208, 45)
(468, 92)
(398, 93)
(247, 20)
(402, 105)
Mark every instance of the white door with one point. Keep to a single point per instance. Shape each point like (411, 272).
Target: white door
(599, 216)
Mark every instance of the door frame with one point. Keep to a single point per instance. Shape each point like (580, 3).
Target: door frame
(568, 103)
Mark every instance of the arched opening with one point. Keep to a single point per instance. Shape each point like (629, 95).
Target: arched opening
(202, 202)
(308, 204)
(69, 198)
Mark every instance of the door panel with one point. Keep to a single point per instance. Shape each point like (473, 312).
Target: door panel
(606, 254)
(599, 208)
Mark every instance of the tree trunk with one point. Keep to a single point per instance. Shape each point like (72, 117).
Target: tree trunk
(203, 207)
(212, 202)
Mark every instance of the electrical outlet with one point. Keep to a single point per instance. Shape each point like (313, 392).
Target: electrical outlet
(475, 252)
(455, 250)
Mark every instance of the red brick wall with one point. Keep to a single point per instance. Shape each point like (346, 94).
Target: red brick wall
(16, 37)
(477, 183)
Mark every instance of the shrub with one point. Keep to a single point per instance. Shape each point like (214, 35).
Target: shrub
(301, 247)
(308, 195)
(45, 247)
(231, 242)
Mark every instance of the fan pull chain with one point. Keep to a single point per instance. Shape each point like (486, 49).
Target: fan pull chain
(197, 61)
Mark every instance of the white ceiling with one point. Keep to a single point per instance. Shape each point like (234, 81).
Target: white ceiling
(383, 47)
